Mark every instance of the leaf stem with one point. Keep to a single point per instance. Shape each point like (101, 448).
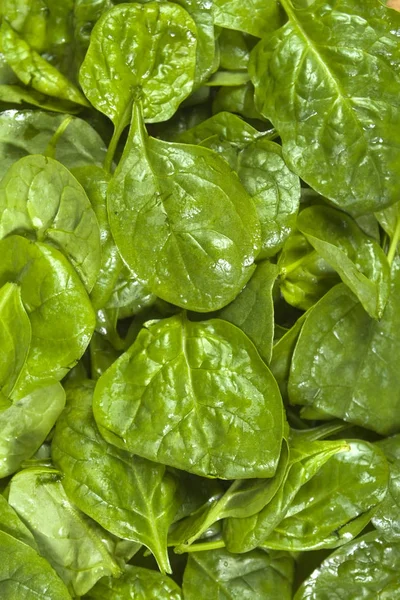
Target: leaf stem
(51, 146)
(202, 547)
(393, 243)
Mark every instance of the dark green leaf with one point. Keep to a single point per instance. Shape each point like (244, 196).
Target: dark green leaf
(328, 81)
(358, 259)
(387, 518)
(366, 568)
(215, 408)
(220, 575)
(140, 501)
(345, 362)
(189, 215)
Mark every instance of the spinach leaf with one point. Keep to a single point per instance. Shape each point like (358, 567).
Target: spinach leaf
(338, 130)
(215, 408)
(66, 221)
(30, 132)
(115, 72)
(234, 49)
(24, 574)
(345, 362)
(189, 215)
(143, 501)
(15, 94)
(368, 567)
(136, 583)
(359, 260)
(263, 17)
(305, 276)
(387, 518)
(237, 99)
(306, 458)
(116, 286)
(243, 498)
(71, 543)
(253, 576)
(26, 423)
(11, 524)
(253, 309)
(336, 504)
(49, 287)
(14, 341)
(35, 71)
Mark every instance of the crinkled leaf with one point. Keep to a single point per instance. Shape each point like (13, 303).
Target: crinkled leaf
(366, 568)
(328, 80)
(189, 215)
(215, 408)
(221, 575)
(387, 518)
(345, 363)
(66, 219)
(115, 70)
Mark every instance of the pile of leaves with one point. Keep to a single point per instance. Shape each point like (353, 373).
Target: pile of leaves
(199, 300)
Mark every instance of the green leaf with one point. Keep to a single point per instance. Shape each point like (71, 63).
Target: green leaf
(237, 99)
(140, 500)
(25, 575)
(189, 215)
(366, 568)
(11, 524)
(387, 518)
(253, 309)
(26, 132)
(25, 425)
(49, 288)
(115, 70)
(282, 353)
(72, 543)
(345, 362)
(215, 408)
(305, 276)
(338, 130)
(274, 189)
(336, 504)
(15, 339)
(263, 16)
(223, 576)
(116, 286)
(15, 94)
(234, 49)
(67, 220)
(136, 583)
(35, 71)
(243, 498)
(305, 459)
(359, 260)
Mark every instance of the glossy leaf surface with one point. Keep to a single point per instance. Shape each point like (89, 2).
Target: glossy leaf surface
(366, 568)
(338, 127)
(40, 197)
(224, 576)
(48, 285)
(345, 362)
(358, 259)
(142, 502)
(215, 408)
(72, 543)
(387, 518)
(189, 215)
(136, 583)
(115, 72)
(262, 16)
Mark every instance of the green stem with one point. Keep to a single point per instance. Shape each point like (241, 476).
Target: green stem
(51, 146)
(118, 129)
(393, 243)
(202, 547)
